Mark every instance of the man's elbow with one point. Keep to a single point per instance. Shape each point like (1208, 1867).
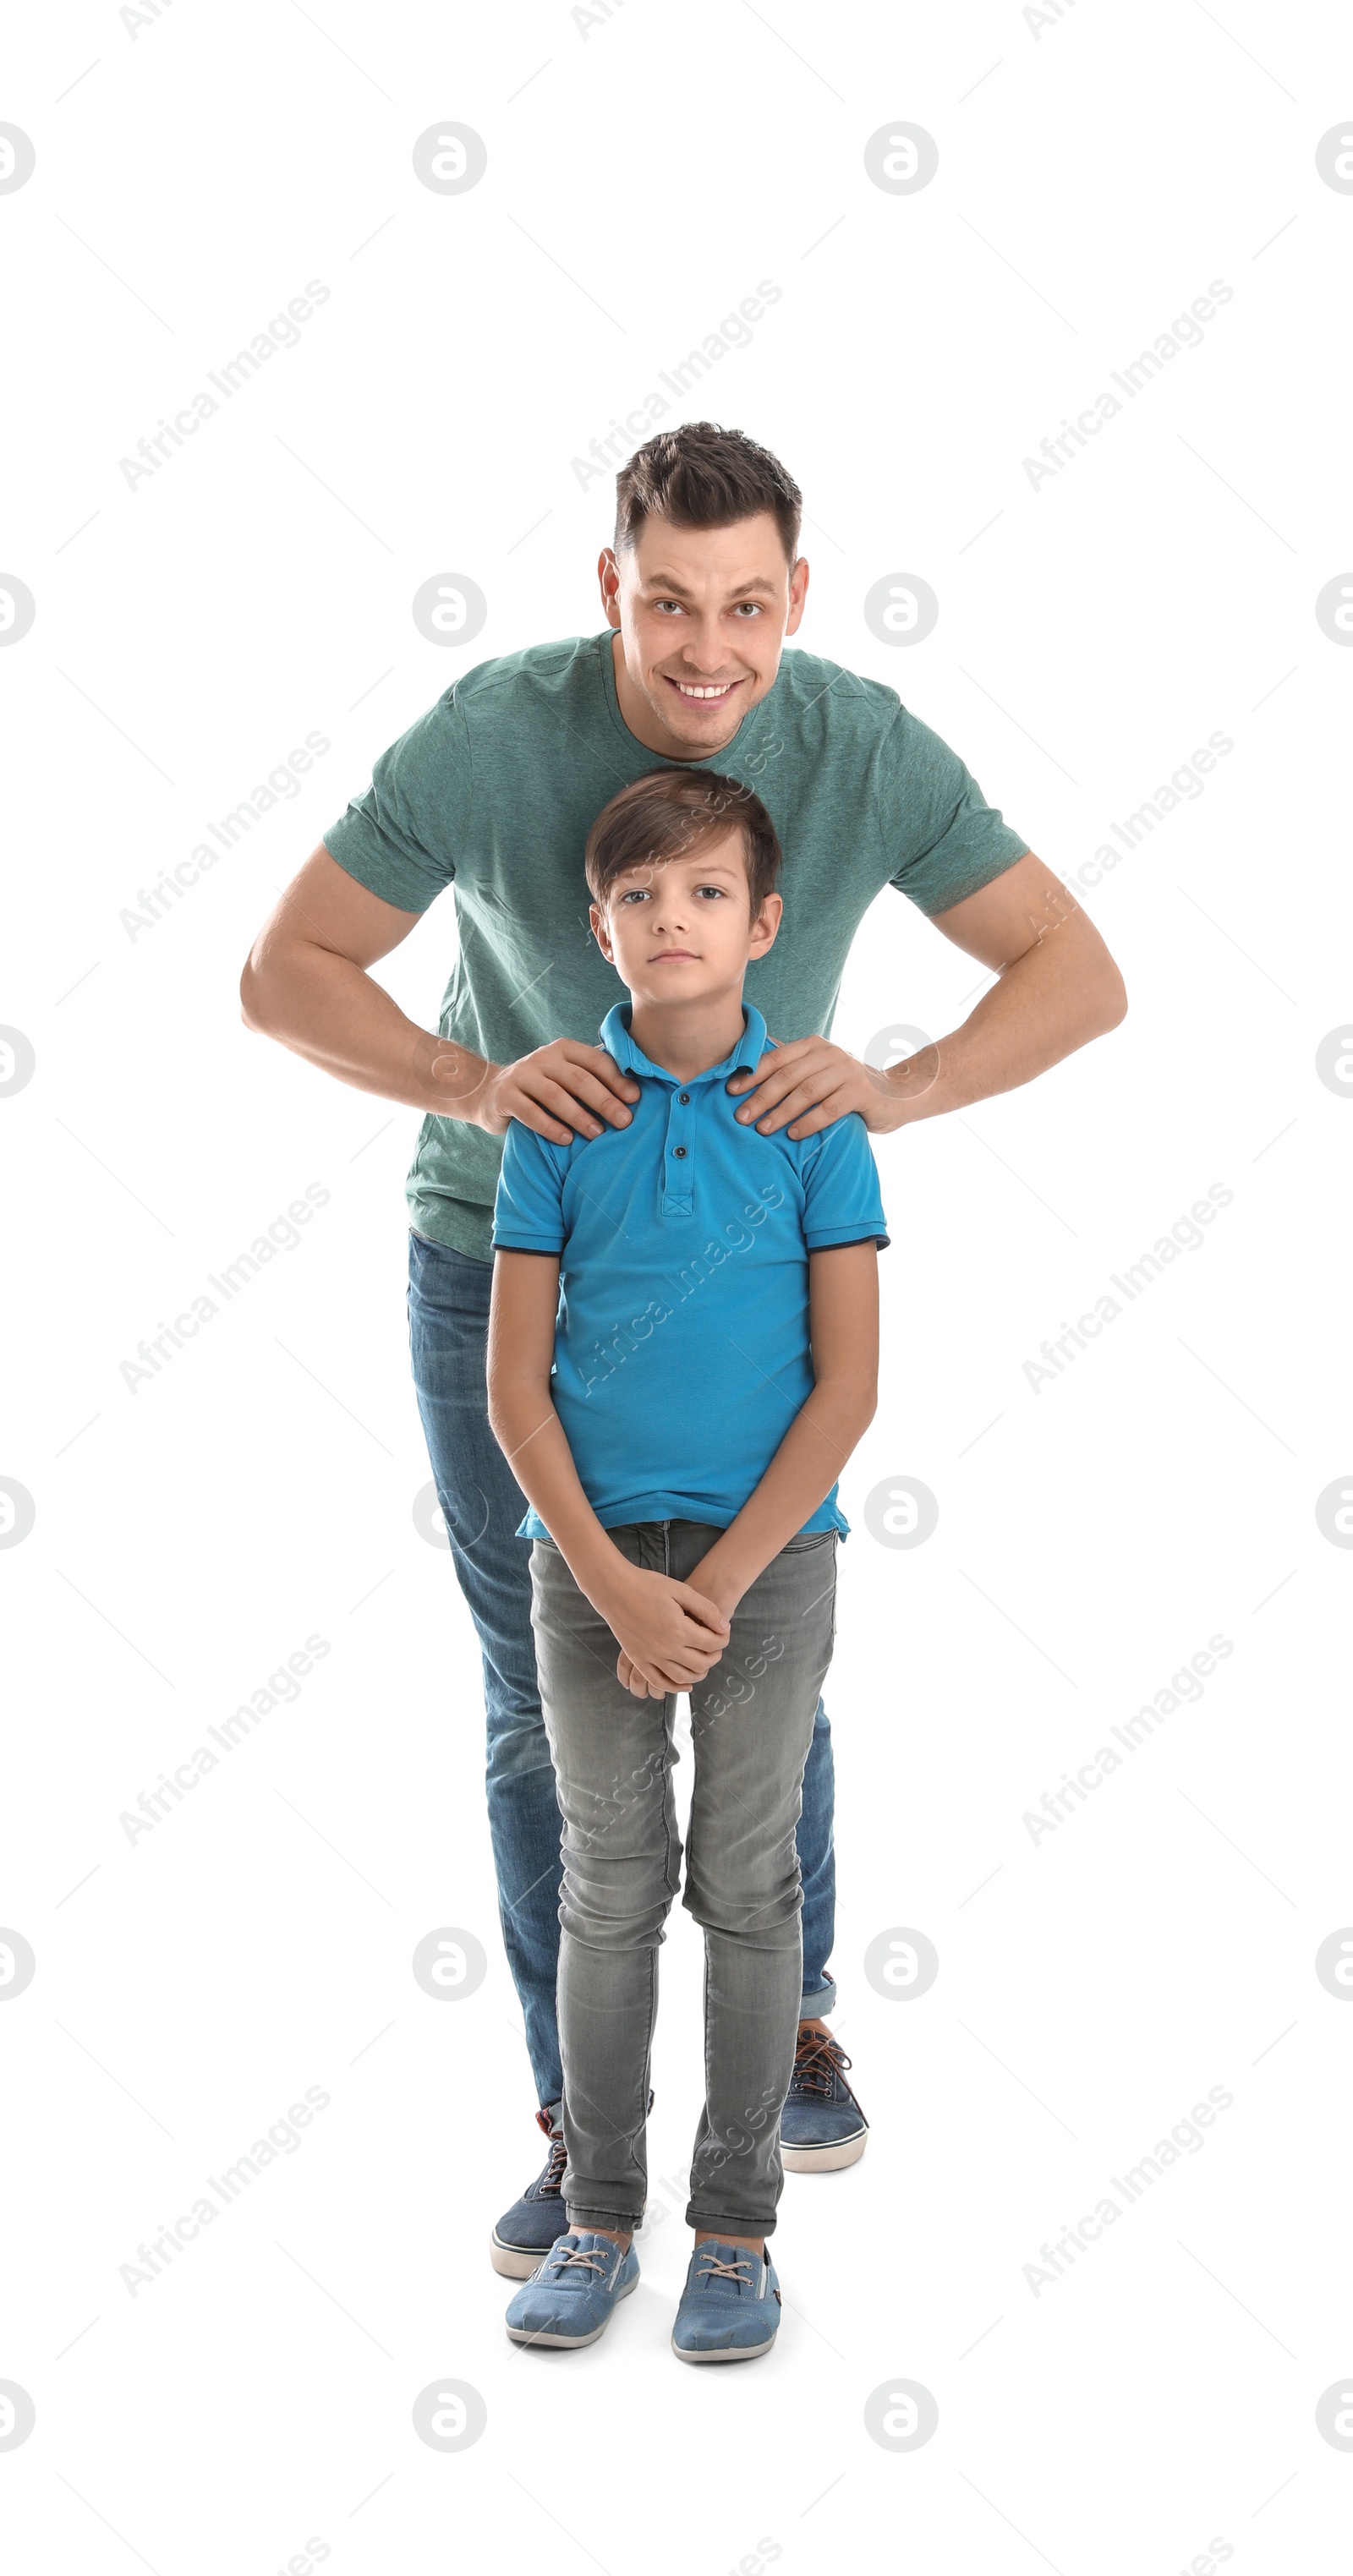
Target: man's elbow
(1111, 1000)
(1102, 994)
(253, 1007)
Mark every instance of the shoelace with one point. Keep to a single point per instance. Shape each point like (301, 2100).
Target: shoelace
(818, 2060)
(717, 2269)
(552, 2178)
(583, 2254)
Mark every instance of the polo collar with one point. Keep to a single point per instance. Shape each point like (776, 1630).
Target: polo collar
(614, 1035)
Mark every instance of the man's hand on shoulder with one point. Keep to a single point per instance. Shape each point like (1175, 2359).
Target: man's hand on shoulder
(561, 1090)
(809, 1084)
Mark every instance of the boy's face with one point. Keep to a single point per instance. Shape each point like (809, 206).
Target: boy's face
(680, 930)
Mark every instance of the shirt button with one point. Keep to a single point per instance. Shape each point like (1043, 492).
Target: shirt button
(679, 1151)
(684, 1098)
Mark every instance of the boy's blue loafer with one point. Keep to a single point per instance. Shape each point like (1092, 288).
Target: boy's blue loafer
(573, 2295)
(730, 2307)
(821, 2126)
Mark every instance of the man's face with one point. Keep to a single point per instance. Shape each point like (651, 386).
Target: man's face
(702, 615)
(681, 930)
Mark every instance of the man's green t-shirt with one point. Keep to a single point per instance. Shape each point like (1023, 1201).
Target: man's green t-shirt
(495, 789)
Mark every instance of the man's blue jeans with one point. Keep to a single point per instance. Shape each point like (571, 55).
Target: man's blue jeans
(482, 1504)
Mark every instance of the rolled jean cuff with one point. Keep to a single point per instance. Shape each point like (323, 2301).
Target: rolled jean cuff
(719, 2225)
(817, 2006)
(618, 2219)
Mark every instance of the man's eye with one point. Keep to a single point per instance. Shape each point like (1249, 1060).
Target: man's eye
(752, 608)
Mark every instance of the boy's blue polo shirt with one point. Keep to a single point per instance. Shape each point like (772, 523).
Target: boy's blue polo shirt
(682, 1350)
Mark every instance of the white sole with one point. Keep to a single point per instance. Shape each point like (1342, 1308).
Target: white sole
(726, 2352)
(843, 2151)
(569, 2343)
(513, 2261)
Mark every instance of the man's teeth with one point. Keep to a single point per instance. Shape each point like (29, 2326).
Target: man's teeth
(720, 692)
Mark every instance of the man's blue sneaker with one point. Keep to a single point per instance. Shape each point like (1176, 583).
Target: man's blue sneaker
(526, 2231)
(730, 2307)
(821, 2126)
(571, 2298)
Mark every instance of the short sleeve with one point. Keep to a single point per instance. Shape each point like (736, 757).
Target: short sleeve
(944, 840)
(843, 1202)
(528, 1212)
(400, 839)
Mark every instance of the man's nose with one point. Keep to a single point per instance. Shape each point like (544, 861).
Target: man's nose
(703, 647)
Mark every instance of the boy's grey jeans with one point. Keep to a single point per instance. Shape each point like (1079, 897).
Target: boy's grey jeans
(751, 1727)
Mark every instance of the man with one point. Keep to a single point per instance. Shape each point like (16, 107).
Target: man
(495, 790)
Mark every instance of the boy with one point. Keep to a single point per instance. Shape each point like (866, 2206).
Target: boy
(683, 1352)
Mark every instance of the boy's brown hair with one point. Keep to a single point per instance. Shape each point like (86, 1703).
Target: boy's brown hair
(672, 813)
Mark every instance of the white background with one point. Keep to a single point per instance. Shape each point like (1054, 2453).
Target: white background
(645, 171)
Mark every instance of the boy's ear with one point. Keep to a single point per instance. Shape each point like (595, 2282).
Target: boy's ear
(766, 925)
(601, 933)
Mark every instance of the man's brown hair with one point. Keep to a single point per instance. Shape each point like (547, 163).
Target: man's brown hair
(701, 476)
(672, 813)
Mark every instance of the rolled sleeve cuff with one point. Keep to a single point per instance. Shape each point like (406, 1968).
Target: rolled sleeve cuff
(867, 1232)
(362, 852)
(514, 1241)
(962, 864)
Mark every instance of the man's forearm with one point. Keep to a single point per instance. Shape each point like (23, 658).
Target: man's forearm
(338, 1017)
(1052, 1000)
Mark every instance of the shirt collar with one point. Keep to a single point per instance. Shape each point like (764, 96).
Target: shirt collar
(614, 1035)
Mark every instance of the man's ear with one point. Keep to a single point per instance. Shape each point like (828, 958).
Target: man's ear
(608, 577)
(798, 594)
(765, 926)
(601, 933)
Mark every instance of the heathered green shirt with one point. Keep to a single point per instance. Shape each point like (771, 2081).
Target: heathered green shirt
(494, 792)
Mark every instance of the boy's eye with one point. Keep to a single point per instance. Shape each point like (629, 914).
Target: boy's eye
(710, 889)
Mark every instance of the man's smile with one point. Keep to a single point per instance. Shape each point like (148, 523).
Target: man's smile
(706, 691)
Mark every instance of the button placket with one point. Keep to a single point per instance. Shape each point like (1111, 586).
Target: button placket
(679, 1157)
